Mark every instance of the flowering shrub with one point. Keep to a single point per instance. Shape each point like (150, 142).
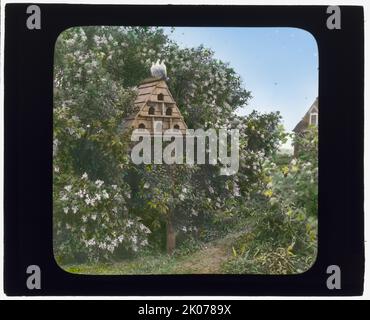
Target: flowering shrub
(92, 220)
(284, 214)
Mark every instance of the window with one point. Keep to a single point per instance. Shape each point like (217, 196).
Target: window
(169, 111)
(151, 110)
(160, 97)
(141, 126)
(314, 118)
(176, 126)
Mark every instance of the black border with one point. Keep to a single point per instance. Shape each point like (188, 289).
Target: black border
(28, 149)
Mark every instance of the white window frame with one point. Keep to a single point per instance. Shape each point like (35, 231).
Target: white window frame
(317, 118)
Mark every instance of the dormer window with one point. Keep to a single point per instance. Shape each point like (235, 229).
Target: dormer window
(169, 111)
(151, 110)
(160, 97)
(314, 118)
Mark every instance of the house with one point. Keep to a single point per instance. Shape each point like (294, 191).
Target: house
(310, 118)
(155, 107)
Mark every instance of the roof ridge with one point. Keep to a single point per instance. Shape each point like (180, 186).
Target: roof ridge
(150, 79)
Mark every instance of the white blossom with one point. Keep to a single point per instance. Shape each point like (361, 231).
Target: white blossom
(70, 42)
(236, 190)
(99, 183)
(91, 242)
(133, 238)
(129, 223)
(88, 200)
(144, 228)
(105, 194)
(81, 193)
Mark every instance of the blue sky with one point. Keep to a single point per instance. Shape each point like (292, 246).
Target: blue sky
(278, 65)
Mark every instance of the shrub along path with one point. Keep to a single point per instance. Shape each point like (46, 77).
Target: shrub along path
(207, 260)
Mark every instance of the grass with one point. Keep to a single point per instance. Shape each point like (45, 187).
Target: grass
(208, 259)
(158, 264)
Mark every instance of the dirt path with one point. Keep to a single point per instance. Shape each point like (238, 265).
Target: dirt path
(209, 259)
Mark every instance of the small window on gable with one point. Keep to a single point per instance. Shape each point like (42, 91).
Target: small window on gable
(314, 118)
(176, 126)
(169, 111)
(141, 126)
(160, 97)
(151, 110)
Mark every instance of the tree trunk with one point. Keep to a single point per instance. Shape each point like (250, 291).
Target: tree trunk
(171, 237)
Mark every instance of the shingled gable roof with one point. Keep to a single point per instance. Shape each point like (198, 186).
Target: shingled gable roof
(145, 91)
(303, 124)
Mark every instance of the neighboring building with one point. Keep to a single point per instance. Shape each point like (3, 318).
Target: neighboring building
(310, 118)
(154, 103)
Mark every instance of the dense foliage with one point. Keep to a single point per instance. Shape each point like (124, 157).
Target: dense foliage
(107, 208)
(284, 216)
